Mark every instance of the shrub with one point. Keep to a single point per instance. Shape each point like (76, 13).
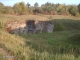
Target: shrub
(64, 24)
(58, 26)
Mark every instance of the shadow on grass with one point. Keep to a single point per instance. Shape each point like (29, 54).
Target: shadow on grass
(75, 39)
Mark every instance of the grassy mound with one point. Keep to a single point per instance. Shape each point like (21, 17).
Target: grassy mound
(62, 44)
(14, 45)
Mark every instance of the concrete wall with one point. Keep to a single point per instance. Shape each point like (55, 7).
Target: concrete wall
(30, 26)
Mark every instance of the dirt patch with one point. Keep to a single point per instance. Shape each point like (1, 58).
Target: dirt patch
(6, 54)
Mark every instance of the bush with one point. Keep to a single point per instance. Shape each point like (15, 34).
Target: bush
(58, 26)
(8, 10)
(1, 7)
(20, 8)
(64, 24)
(73, 10)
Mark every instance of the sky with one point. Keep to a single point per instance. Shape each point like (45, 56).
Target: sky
(12, 2)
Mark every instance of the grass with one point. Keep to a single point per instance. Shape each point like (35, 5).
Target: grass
(2, 57)
(61, 17)
(66, 24)
(13, 44)
(62, 44)
(51, 41)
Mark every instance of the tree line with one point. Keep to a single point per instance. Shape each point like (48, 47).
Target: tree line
(47, 9)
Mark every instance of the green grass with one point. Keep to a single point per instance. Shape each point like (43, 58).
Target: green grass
(66, 24)
(62, 44)
(54, 45)
(51, 41)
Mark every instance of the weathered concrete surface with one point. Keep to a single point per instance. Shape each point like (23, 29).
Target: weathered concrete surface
(30, 26)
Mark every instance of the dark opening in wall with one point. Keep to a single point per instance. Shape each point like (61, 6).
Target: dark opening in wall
(31, 26)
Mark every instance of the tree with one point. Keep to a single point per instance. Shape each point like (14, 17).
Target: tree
(73, 10)
(20, 8)
(36, 10)
(8, 10)
(28, 5)
(31, 9)
(36, 5)
(1, 7)
(49, 8)
(79, 7)
(61, 9)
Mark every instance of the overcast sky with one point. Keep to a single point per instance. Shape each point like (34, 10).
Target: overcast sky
(12, 2)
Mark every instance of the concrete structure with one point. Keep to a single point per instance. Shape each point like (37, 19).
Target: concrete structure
(30, 26)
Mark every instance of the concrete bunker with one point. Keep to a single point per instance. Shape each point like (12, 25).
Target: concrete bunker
(30, 26)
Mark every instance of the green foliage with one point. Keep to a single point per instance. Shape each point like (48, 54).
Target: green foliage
(36, 5)
(36, 8)
(62, 9)
(8, 10)
(31, 9)
(58, 26)
(47, 8)
(1, 7)
(73, 10)
(28, 5)
(79, 8)
(20, 8)
(65, 24)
